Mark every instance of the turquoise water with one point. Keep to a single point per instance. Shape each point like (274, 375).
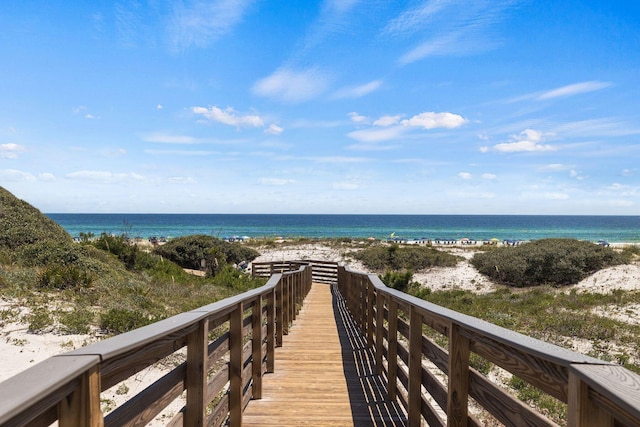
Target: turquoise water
(480, 227)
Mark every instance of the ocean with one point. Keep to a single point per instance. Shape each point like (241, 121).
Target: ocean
(614, 229)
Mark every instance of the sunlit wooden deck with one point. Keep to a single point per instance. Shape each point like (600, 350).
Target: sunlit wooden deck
(325, 374)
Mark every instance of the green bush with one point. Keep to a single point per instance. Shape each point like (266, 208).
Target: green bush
(77, 321)
(120, 247)
(188, 251)
(394, 257)
(119, 320)
(400, 281)
(556, 262)
(64, 276)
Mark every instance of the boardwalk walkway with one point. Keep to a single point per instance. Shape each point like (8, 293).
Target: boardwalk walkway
(324, 375)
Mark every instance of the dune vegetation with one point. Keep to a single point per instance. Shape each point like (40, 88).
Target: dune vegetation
(104, 283)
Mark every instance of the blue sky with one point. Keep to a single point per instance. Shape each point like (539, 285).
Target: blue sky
(352, 106)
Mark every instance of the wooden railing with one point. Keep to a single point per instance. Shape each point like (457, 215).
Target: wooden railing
(226, 347)
(322, 271)
(436, 385)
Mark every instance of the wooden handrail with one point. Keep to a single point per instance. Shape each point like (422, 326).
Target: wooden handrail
(66, 388)
(598, 393)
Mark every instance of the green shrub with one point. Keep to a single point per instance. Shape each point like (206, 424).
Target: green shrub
(77, 321)
(400, 281)
(556, 262)
(394, 257)
(119, 320)
(120, 247)
(64, 277)
(39, 320)
(189, 251)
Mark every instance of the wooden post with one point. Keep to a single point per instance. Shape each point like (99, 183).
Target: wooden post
(196, 381)
(415, 367)
(370, 311)
(271, 331)
(392, 362)
(285, 304)
(279, 312)
(256, 348)
(235, 367)
(82, 406)
(379, 331)
(580, 411)
(458, 398)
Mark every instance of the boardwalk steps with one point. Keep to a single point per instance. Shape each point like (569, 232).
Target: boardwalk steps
(325, 374)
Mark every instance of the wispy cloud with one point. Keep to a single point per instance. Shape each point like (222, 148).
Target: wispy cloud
(273, 129)
(358, 91)
(16, 175)
(200, 23)
(293, 86)
(276, 181)
(574, 89)
(170, 138)
(228, 116)
(448, 27)
(11, 150)
(105, 177)
(358, 119)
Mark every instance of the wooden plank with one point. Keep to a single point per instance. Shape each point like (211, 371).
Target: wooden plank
(235, 366)
(256, 342)
(458, 399)
(325, 374)
(196, 375)
(612, 388)
(415, 369)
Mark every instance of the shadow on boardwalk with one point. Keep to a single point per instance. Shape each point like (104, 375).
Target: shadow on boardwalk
(367, 390)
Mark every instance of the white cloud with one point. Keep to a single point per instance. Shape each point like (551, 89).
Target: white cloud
(465, 175)
(489, 176)
(16, 175)
(183, 180)
(346, 185)
(104, 176)
(276, 181)
(293, 85)
(337, 159)
(387, 121)
(377, 135)
(556, 167)
(358, 91)
(199, 23)
(528, 140)
(159, 107)
(273, 129)
(449, 27)
(11, 150)
(574, 89)
(431, 120)
(357, 118)
(444, 45)
(228, 116)
(47, 177)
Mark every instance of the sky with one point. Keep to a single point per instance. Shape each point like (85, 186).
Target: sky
(328, 106)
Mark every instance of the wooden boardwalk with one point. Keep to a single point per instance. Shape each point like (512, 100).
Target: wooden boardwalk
(324, 374)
